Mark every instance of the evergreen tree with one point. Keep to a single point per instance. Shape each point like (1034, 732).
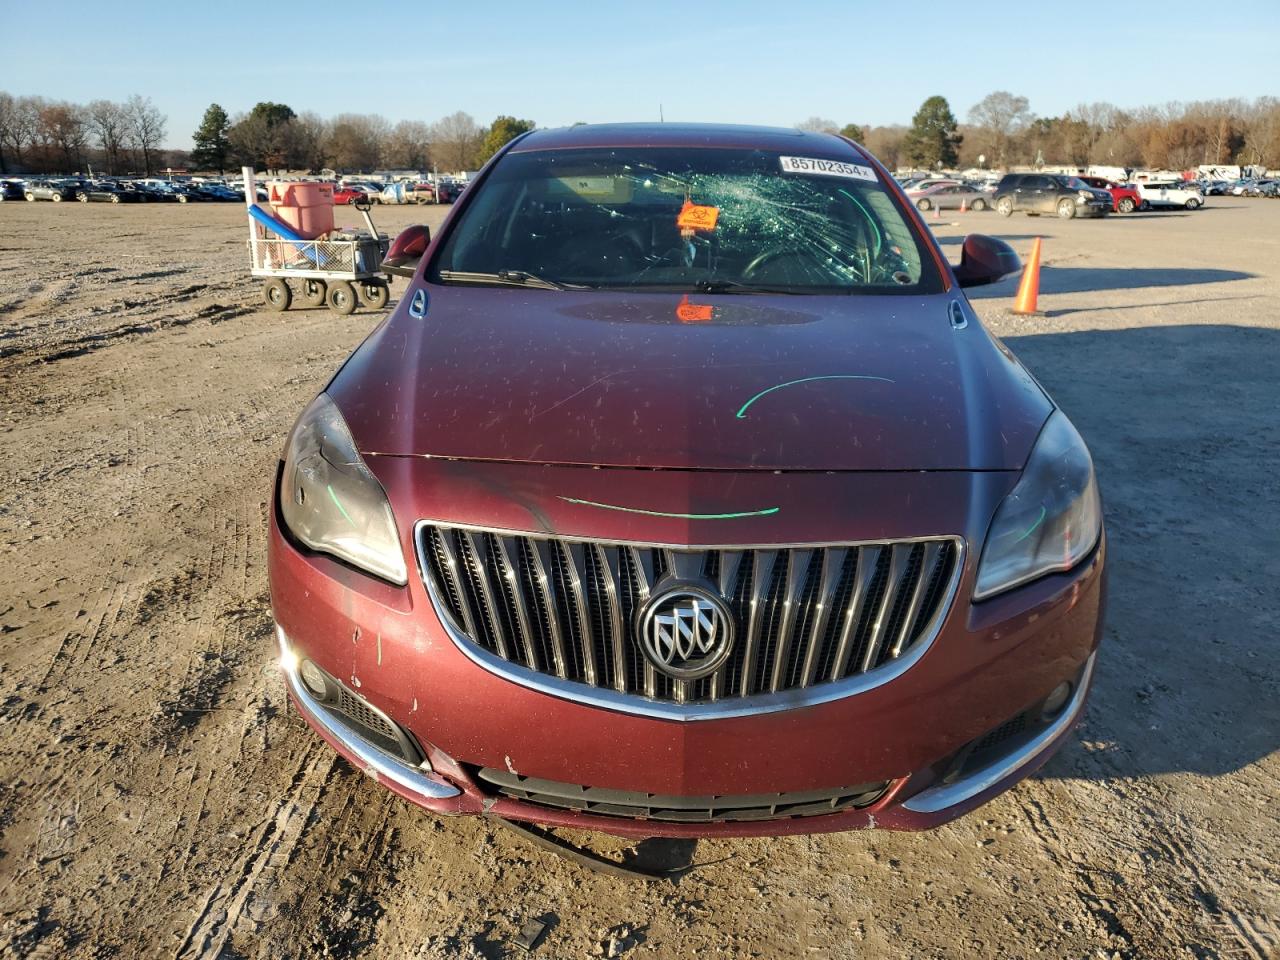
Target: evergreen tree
(211, 143)
(503, 131)
(933, 140)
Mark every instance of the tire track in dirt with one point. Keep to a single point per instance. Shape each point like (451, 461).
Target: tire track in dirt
(272, 843)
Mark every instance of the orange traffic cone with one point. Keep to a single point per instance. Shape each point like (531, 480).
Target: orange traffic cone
(937, 213)
(1029, 289)
(964, 206)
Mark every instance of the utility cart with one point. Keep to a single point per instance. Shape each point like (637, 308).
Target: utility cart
(340, 268)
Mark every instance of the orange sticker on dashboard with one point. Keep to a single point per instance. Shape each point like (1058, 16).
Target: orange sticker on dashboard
(695, 217)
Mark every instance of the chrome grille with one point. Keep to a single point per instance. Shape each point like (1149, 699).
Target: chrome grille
(805, 616)
(678, 809)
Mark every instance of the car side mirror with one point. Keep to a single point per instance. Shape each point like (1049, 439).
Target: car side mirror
(406, 251)
(985, 260)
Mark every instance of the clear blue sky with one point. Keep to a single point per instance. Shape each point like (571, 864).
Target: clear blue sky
(558, 62)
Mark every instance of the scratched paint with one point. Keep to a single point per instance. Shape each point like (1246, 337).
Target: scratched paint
(1032, 529)
(742, 412)
(767, 511)
(338, 503)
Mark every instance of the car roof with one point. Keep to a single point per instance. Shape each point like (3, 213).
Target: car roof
(782, 139)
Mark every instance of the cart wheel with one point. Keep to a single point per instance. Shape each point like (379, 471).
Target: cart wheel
(375, 295)
(342, 297)
(313, 293)
(277, 294)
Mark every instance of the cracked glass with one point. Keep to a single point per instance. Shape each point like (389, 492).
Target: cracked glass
(686, 219)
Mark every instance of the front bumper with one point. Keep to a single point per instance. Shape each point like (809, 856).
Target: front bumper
(931, 807)
(990, 662)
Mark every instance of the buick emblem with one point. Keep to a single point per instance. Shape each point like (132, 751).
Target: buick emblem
(686, 632)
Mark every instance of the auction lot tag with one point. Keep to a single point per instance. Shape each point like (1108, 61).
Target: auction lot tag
(694, 217)
(827, 168)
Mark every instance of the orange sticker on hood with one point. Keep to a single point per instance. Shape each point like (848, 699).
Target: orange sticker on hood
(695, 217)
(687, 312)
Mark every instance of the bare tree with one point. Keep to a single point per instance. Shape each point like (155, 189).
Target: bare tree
(308, 135)
(409, 146)
(456, 140)
(356, 141)
(8, 117)
(109, 125)
(146, 128)
(1262, 143)
(1000, 116)
(818, 125)
(886, 144)
(62, 128)
(25, 124)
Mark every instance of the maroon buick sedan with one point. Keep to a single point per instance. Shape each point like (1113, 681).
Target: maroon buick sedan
(684, 494)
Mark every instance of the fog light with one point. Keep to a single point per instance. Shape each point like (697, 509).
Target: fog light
(1054, 703)
(313, 677)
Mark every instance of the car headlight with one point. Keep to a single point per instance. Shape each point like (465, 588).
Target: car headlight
(332, 502)
(1050, 521)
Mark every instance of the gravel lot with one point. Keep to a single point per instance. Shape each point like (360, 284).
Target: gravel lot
(157, 799)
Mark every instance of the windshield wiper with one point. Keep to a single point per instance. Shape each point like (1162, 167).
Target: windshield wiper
(718, 285)
(514, 278)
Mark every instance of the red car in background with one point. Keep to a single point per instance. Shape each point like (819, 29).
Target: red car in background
(1124, 198)
(346, 194)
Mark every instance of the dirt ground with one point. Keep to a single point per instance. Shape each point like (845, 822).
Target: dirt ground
(158, 799)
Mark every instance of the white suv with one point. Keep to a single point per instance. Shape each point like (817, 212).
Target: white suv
(1169, 195)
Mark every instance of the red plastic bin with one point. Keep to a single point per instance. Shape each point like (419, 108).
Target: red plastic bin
(305, 206)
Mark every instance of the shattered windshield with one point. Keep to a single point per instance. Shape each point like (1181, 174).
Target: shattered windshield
(685, 219)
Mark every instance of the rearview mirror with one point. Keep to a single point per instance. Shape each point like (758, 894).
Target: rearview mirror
(985, 260)
(406, 251)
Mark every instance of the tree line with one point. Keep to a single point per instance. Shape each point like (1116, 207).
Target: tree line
(47, 136)
(44, 136)
(1002, 131)
(272, 136)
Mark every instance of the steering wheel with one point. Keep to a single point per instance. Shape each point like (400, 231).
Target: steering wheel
(806, 260)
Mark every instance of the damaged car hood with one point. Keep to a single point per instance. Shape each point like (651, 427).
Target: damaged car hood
(664, 380)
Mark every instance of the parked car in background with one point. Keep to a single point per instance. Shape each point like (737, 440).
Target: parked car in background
(929, 183)
(12, 190)
(422, 192)
(346, 194)
(216, 192)
(1044, 193)
(1125, 197)
(106, 193)
(1166, 195)
(452, 190)
(237, 187)
(55, 190)
(184, 193)
(951, 196)
(371, 190)
(853, 578)
(151, 193)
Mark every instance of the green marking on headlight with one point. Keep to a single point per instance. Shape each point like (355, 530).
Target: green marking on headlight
(677, 516)
(742, 413)
(1031, 529)
(338, 503)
